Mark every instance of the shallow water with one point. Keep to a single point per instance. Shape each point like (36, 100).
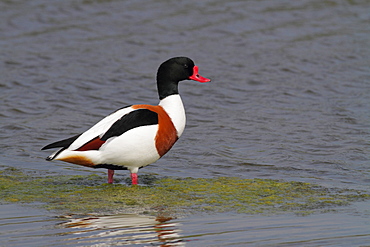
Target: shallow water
(288, 100)
(30, 227)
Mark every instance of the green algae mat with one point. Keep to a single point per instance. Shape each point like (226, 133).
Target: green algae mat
(89, 194)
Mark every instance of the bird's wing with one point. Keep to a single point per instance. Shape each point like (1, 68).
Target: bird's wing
(111, 126)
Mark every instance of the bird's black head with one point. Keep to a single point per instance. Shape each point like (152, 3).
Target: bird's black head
(174, 70)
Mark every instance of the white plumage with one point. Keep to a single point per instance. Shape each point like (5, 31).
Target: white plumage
(134, 136)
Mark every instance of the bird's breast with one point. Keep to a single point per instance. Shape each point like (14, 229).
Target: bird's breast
(166, 134)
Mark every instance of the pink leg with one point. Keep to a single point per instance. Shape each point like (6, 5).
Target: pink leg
(110, 176)
(134, 178)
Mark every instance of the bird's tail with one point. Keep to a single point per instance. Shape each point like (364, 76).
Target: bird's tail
(54, 155)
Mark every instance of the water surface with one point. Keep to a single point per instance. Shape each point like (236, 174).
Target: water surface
(288, 100)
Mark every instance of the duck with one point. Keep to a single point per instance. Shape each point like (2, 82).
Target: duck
(134, 136)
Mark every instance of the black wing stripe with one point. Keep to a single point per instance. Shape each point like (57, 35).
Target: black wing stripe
(61, 144)
(134, 119)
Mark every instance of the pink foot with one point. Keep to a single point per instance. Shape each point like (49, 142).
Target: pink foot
(110, 176)
(134, 178)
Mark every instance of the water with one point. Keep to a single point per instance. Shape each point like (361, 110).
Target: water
(30, 227)
(288, 100)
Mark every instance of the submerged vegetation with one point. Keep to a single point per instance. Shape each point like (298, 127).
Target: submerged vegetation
(89, 194)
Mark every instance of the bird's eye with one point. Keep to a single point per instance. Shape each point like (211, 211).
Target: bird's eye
(186, 66)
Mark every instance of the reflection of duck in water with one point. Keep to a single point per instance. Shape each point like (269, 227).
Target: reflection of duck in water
(134, 136)
(125, 229)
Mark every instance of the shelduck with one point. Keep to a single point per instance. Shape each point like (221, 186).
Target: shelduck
(134, 136)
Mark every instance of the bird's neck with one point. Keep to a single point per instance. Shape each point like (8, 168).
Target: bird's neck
(175, 109)
(166, 87)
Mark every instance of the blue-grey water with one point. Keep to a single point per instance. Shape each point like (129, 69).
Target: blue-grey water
(289, 99)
